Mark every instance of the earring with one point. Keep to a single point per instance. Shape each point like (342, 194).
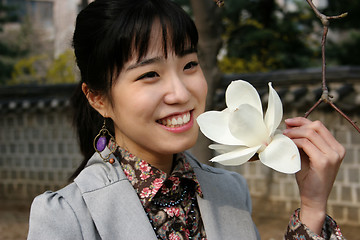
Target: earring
(100, 142)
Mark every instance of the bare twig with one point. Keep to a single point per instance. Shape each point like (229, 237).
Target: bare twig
(313, 107)
(345, 116)
(325, 97)
(220, 3)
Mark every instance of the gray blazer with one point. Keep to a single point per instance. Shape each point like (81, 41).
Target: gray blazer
(102, 204)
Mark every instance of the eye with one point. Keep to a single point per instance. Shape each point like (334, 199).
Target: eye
(191, 65)
(148, 75)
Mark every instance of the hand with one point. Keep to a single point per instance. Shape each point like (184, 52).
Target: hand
(321, 157)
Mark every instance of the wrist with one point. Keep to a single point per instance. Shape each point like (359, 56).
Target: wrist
(313, 217)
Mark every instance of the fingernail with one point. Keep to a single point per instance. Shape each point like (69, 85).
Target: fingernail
(289, 120)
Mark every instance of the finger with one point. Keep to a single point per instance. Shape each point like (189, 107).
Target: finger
(328, 137)
(317, 158)
(306, 135)
(320, 129)
(297, 121)
(316, 126)
(309, 134)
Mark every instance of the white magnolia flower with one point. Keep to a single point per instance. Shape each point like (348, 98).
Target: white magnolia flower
(241, 130)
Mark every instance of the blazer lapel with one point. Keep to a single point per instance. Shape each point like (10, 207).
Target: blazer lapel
(112, 202)
(220, 208)
(225, 222)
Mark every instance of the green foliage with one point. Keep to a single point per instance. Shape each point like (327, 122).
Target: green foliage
(265, 36)
(14, 44)
(236, 65)
(41, 69)
(29, 70)
(344, 50)
(62, 70)
(24, 58)
(5, 72)
(7, 14)
(5, 51)
(261, 36)
(347, 52)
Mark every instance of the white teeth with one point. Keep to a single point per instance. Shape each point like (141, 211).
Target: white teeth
(176, 121)
(185, 119)
(180, 120)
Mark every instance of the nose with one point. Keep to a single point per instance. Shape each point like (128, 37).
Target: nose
(177, 90)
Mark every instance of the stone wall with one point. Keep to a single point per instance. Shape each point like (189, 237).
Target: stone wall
(39, 149)
(38, 152)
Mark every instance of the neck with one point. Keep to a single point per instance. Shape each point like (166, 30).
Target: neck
(164, 164)
(160, 161)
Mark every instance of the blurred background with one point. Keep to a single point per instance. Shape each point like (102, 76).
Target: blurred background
(259, 41)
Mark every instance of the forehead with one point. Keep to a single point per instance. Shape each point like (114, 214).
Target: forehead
(156, 43)
(160, 42)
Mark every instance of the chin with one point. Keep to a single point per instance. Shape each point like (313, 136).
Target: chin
(189, 143)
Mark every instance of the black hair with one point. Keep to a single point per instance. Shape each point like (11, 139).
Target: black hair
(108, 33)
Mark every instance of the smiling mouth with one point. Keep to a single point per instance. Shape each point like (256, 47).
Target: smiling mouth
(176, 120)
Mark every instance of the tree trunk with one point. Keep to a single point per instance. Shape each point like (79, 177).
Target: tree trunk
(207, 19)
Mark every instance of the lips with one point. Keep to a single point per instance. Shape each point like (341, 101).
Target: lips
(176, 121)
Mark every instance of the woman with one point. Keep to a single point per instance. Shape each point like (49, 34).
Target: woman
(141, 83)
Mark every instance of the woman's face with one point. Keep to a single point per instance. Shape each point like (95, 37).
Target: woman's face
(156, 102)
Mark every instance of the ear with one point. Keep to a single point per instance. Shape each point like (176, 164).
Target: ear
(96, 100)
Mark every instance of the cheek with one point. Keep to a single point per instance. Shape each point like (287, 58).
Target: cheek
(139, 104)
(205, 87)
(201, 90)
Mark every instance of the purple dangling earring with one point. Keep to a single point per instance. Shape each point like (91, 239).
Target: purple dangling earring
(100, 142)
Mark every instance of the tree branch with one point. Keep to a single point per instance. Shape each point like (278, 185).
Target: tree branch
(345, 116)
(313, 107)
(325, 97)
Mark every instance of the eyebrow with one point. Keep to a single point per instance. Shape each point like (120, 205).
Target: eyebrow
(148, 61)
(145, 62)
(187, 51)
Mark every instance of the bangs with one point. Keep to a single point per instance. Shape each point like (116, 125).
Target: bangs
(179, 33)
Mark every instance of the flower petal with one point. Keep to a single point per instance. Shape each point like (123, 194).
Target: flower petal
(274, 112)
(241, 92)
(236, 157)
(220, 148)
(247, 125)
(282, 155)
(215, 126)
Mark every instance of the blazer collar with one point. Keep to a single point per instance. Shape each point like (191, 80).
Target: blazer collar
(221, 206)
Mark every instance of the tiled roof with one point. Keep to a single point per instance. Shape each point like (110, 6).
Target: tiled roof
(34, 97)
